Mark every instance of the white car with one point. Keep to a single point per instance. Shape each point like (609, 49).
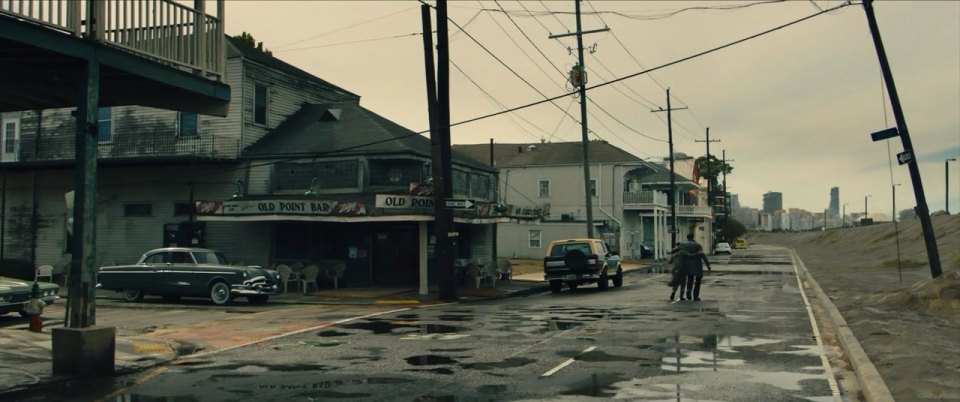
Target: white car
(722, 248)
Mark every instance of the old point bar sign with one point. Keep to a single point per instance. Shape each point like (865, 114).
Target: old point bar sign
(281, 207)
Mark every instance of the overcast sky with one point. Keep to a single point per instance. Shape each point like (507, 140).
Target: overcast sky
(793, 109)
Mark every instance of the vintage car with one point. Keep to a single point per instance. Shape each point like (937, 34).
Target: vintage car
(14, 294)
(176, 272)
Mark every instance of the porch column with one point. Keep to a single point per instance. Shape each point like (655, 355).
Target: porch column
(422, 234)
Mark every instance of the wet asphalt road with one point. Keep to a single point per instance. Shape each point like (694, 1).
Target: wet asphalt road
(749, 339)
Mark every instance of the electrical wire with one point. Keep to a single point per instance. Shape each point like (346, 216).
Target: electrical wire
(351, 25)
(498, 103)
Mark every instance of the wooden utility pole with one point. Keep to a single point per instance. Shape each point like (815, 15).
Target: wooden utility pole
(907, 157)
(672, 197)
(438, 105)
(581, 72)
(709, 169)
(726, 195)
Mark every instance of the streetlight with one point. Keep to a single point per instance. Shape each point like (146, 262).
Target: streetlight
(843, 217)
(946, 187)
(865, 208)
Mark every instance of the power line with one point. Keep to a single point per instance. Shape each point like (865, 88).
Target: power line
(351, 25)
(496, 102)
(352, 42)
(678, 61)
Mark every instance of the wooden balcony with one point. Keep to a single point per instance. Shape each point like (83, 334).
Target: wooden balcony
(162, 30)
(648, 200)
(156, 53)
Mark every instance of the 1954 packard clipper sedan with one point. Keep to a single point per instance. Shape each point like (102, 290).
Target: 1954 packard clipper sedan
(176, 272)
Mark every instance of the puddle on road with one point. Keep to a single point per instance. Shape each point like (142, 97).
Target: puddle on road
(511, 362)
(440, 370)
(429, 360)
(378, 326)
(332, 333)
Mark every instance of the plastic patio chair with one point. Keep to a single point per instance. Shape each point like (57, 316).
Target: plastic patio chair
(308, 276)
(44, 271)
(286, 276)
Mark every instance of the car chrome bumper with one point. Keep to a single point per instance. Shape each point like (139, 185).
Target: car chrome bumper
(254, 286)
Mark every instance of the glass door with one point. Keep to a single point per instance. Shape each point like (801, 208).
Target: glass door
(10, 142)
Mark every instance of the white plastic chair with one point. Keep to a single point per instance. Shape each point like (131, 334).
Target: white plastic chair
(309, 275)
(505, 269)
(44, 271)
(335, 271)
(286, 276)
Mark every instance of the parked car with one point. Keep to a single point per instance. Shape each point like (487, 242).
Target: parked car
(176, 272)
(645, 252)
(14, 294)
(740, 243)
(581, 261)
(722, 248)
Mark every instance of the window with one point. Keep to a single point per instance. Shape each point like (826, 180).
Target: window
(9, 137)
(534, 238)
(182, 208)
(293, 176)
(187, 125)
(105, 125)
(544, 188)
(460, 183)
(260, 104)
(137, 210)
(480, 186)
(593, 187)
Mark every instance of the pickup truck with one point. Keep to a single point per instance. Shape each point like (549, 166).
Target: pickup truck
(581, 261)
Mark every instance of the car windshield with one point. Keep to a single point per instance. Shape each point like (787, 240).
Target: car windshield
(210, 257)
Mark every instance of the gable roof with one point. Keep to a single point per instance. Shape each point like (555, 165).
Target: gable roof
(546, 154)
(342, 129)
(660, 174)
(240, 48)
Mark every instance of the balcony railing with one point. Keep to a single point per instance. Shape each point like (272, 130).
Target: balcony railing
(205, 146)
(162, 30)
(644, 199)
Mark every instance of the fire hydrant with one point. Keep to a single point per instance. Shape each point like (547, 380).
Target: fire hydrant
(33, 308)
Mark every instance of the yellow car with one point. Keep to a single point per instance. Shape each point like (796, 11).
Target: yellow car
(740, 243)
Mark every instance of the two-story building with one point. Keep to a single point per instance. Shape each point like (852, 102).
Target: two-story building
(298, 171)
(630, 197)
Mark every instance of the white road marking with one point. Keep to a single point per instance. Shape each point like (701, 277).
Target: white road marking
(567, 363)
(834, 387)
(314, 328)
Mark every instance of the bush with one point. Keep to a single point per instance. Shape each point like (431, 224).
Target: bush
(20, 269)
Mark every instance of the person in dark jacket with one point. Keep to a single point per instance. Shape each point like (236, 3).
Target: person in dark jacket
(693, 262)
(678, 276)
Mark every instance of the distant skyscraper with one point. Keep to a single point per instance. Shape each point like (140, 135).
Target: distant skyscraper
(835, 201)
(734, 201)
(772, 201)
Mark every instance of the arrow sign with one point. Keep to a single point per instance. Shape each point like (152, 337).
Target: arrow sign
(459, 204)
(905, 157)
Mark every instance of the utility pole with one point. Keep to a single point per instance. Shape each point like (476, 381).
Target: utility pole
(438, 106)
(709, 170)
(672, 197)
(580, 72)
(933, 256)
(726, 195)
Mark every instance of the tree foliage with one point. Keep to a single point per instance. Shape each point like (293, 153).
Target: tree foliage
(248, 39)
(717, 168)
(732, 229)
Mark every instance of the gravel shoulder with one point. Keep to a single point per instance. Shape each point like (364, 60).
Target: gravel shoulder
(907, 322)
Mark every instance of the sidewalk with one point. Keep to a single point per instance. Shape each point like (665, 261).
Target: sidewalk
(26, 357)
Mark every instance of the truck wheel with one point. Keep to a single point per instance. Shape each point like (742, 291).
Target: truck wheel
(618, 279)
(573, 285)
(132, 295)
(555, 286)
(604, 281)
(220, 293)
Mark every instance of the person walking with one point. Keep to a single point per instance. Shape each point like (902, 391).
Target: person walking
(694, 260)
(678, 276)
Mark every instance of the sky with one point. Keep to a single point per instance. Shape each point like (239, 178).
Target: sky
(792, 109)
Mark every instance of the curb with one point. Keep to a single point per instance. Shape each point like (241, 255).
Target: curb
(871, 383)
